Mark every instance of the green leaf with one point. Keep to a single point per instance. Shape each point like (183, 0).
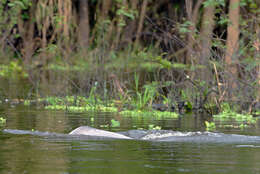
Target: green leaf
(115, 123)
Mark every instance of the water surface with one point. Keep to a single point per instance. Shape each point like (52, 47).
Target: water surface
(191, 151)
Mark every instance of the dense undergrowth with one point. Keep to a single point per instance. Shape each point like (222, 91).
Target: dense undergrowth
(119, 57)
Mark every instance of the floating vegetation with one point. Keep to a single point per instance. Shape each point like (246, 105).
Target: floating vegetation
(13, 70)
(159, 114)
(231, 115)
(210, 126)
(82, 104)
(230, 119)
(100, 108)
(153, 127)
(243, 120)
(2, 121)
(82, 108)
(27, 102)
(115, 123)
(104, 126)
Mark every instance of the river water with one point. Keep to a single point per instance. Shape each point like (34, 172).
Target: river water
(35, 141)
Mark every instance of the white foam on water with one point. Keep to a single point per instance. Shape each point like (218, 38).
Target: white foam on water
(247, 145)
(158, 135)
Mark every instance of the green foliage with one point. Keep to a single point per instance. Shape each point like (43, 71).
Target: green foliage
(184, 27)
(214, 3)
(139, 59)
(227, 115)
(250, 63)
(92, 99)
(123, 11)
(2, 121)
(23, 4)
(18, 5)
(81, 104)
(188, 106)
(128, 13)
(152, 127)
(13, 70)
(144, 113)
(143, 99)
(104, 126)
(82, 109)
(210, 126)
(147, 59)
(223, 20)
(251, 3)
(115, 123)
(241, 118)
(108, 55)
(27, 102)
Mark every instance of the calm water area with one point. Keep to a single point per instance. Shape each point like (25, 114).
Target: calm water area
(193, 151)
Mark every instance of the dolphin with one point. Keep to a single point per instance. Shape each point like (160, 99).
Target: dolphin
(90, 131)
(150, 135)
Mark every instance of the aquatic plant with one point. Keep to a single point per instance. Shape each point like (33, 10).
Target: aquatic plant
(210, 126)
(104, 125)
(27, 102)
(157, 114)
(13, 70)
(146, 97)
(115, 123)
(81, 104)
(243, 126)
(232, 115)
(2, 121)
(153, 127)
(93, 95)
(86, 108)
(241, 120)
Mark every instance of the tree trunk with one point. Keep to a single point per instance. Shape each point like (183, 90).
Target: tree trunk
(129, 31)
(208, 24)
(83, 24)
(257, 55)
(232, 42)
(141, 21)
(120, 19)
(26, 29)
(105, 8)
(193, 18)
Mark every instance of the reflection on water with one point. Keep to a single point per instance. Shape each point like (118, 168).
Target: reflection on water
(41, 153)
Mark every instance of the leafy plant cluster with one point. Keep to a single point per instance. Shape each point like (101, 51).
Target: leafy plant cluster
(13, 70)
(229, 118)
(2, 121)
